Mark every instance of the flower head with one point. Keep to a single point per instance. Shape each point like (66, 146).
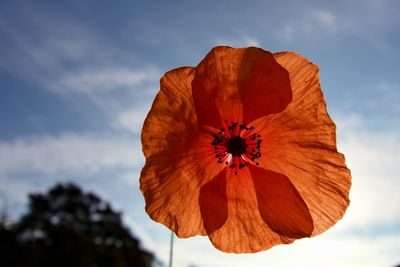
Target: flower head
(242, 149)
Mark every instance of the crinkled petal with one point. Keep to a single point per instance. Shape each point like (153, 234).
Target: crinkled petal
(172, 114)
(244, 231)
(179, 158)
(280, 205)
(172, 189)
(300, 143)
(240, 85)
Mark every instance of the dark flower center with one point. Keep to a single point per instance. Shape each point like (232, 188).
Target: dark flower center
(237, 145)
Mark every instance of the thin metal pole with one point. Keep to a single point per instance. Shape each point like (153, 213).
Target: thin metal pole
(171, 248)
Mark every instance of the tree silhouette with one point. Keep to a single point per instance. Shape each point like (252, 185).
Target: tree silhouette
(68, 227)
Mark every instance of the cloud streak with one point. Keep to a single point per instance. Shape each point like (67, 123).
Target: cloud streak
(68, 56)
(68, 153)
(374, 162)
(240, 41)
(100, 80)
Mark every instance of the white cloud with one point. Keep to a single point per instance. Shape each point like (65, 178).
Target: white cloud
(131, 119)
(386, 97)
(374, 162)
(33, 164)
(335, 23)
(287, 33)
(68, 56)
(99, 79)
(14, 191)
(311, 24)
(240, 41)
(138, 230)
(330, 249)
(68, 153)
(325, 18)
(128, 180)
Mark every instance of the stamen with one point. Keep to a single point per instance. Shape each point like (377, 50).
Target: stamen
(237, 146)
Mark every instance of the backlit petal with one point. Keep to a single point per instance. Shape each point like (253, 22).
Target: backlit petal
(215, 90)
(171, 189)
(179, 157)
(263, 84)
(172, 114)
(239, 85)
(200, 175)
(300, 143)
(214, 203)
(280, 205)
(244, 231)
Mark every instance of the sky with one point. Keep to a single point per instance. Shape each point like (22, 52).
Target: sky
(77, 79)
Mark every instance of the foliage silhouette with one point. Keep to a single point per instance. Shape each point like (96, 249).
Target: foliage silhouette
(68, 227)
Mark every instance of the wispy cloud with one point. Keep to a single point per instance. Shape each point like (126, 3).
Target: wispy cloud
(90, 81)
(325, 19)
(386, 96)
(68, 153)
(34, 163)
(374, 162)
(68, 56)
(239, 41)
(131, 119)
(373, 27)
(311, 25)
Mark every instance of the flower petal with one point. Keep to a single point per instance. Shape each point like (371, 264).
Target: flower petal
(300, 143)
(172, 113)
(162, 181)
(280, 205)
(171, 189)
(214, 203)
(239, 85)
(264, 85)
(215, 90)
(179, 157)
(244, 230)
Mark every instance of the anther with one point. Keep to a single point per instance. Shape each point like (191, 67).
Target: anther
(237, 145)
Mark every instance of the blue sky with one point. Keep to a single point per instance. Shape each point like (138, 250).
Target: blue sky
(77, 79)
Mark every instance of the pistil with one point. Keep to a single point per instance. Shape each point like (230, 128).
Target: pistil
(237, 146)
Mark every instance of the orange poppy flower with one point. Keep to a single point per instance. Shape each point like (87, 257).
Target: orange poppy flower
(242, 149)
